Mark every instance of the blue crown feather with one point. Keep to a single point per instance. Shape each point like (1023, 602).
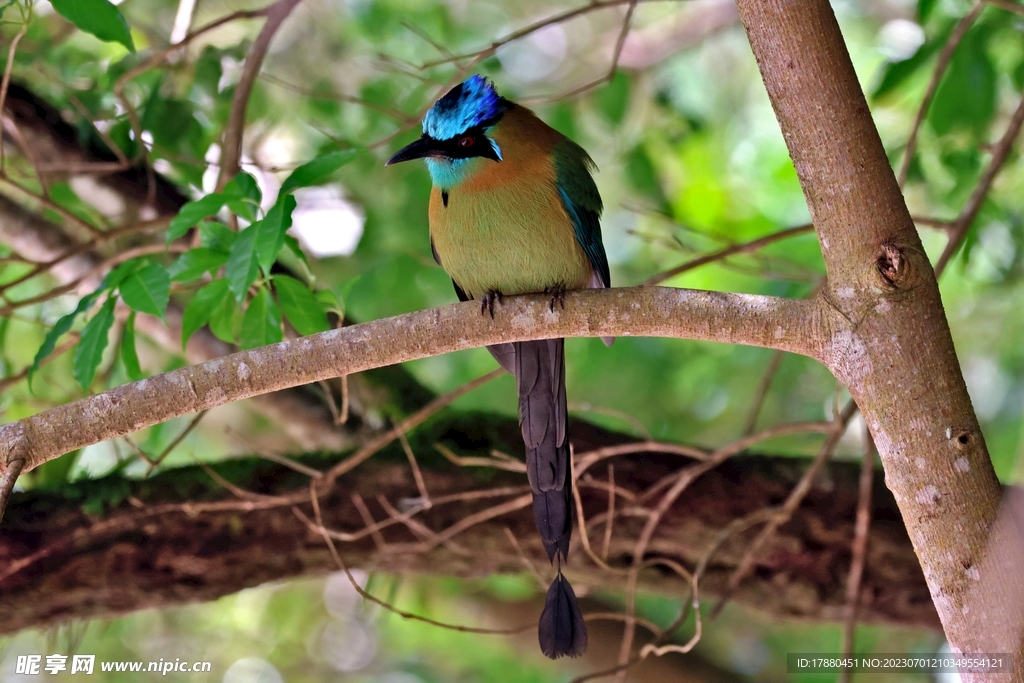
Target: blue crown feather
(472, 103)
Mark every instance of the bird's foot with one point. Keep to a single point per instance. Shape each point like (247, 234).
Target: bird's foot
(487, 301)
(557, 295)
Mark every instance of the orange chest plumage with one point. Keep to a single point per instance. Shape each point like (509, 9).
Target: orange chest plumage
(505, 227)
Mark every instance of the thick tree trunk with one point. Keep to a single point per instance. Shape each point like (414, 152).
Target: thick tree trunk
(891, 344)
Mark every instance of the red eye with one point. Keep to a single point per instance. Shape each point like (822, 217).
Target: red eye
(466, 142)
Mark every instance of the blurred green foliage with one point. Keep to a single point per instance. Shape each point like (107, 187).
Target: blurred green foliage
(691, 161)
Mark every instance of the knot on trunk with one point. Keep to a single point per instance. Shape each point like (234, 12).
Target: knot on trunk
(892, 265)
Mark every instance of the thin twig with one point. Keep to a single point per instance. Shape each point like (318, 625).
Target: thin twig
(1007, 5)
(940, 69)
(276, 457)
(231, 146)
(609, 525)
(406, 425)
(7, 382)
(530, 566)
(1000, 153)
(369, 521)
(11, 52)
(762, 391)
(496, 463)
(862, 528)
(732, 250)
(377, 601)
(793, 501)
(421, 485)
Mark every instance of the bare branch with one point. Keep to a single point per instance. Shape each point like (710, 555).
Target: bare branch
(940, 70)
(862, 528)
(231, 147)
(652, 311)
(1000, 153)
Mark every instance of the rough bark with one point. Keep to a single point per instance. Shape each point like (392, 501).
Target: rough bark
(655, 311)
(146, 550)
(890, 342)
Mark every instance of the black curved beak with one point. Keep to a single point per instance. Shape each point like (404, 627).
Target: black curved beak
(420, 149)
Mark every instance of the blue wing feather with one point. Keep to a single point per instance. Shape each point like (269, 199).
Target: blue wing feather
(582, 202)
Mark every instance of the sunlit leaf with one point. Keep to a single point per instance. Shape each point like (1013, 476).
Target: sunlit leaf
(243, 261)
(300, 306)
(195, 263)
(226, 319)
(193, 212)
(272, 230)
(966, 96)
(612, 100)
(261, 323)
(98, 17)
(147, 290)
(318, 170)
(89, 352)
(59, 329)
(244, 196)
(292, 244)
(201, 308)
(129, 357)
(895, 74)
(217, 236)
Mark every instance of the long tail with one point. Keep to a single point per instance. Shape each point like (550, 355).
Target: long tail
(539, 368)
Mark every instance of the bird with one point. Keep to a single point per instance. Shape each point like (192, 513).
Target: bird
(514, 209)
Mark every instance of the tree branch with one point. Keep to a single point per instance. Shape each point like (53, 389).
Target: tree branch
(785, 324)
(152, 550)
(896, 355)
(231, 149)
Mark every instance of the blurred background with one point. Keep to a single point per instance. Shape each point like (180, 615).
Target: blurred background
(691, 161)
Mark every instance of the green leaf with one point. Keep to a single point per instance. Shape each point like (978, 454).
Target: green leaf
(261, 324)
(217, 236)
(147, 290)
(90, 349)
(330, 302)
(300, 306)
(613, 99)
(98, 17)
(293, 246)
(924, 10)
(201, 308)
(1018, 75)
(966, 96)
(120, 273)
(60, 328)
(243, 261)
(193, 212)
(128, 355)
(270, 237)
(318, 170)
(346, 288)
(193, 264)
(895, 73)
(244, 196)
(62, 195)
(114, 278)
(225, 320)
(642, 175)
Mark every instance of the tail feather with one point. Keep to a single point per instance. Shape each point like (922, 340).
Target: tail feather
(539, 369)
(540, 380)
(561, 629)
(553, 513)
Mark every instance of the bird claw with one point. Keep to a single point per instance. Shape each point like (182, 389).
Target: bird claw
(557, 295)
(487, 302)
